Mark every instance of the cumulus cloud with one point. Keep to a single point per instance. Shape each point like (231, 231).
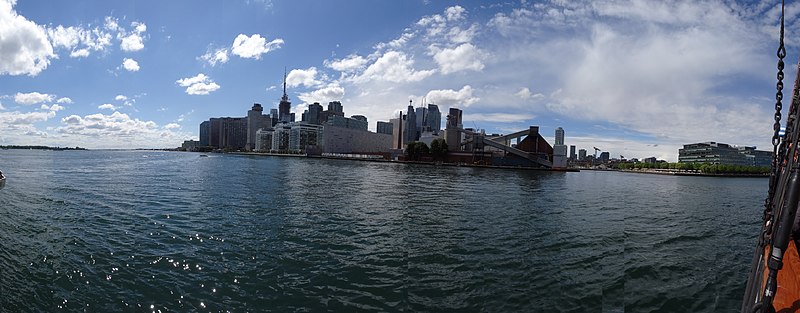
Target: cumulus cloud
(254, 46)
(25, 118)
(79, 39)
(64, 100)
(217, 56)
(32, 98)
(24, 46)
(198, 85)
(348, 64)
(453, 98)
(394, 66)
(455, 13)
(328, 93)
(172, 126)
(298, 77)
(130, 65)
(54, 107)
(107, 106)
(120, 98)
(114, 125)
(465, 57)
(133, 41)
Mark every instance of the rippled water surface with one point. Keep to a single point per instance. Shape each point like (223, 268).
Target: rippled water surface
(147, 231)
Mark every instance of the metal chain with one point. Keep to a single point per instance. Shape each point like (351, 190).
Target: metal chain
(777, 158)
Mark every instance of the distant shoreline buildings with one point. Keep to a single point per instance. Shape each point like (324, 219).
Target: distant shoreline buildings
(326, 130)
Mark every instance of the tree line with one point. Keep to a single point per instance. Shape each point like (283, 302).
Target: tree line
(706, 168)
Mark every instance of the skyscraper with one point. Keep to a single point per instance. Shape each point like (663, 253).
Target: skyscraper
(434, 118)
(336, 106)
(384, 128)
(559, 136)
(255, 121)
(205, 129)
(572, 152)
(411, 124)
(285, 105)
(422, 119)
(314, 113)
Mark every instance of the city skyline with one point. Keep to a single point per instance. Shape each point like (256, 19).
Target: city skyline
(144, 74)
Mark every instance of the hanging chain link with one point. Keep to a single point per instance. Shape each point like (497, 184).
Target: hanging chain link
(777, 158)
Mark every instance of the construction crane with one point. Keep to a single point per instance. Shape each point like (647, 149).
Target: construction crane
(595, 152)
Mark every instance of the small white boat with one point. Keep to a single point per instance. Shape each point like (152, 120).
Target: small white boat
(2, 180)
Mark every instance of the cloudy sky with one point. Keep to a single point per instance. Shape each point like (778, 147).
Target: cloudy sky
(636, 78)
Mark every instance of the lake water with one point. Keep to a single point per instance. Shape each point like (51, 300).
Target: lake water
(146, 231)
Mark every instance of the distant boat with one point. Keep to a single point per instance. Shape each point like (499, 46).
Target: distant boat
(203, 155)
(2, 180)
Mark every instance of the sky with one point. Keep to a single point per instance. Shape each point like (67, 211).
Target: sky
(635, 78)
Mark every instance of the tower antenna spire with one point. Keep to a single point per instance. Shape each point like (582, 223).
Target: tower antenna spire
(285, 97)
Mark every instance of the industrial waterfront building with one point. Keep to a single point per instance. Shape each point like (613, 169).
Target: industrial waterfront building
(720, 153)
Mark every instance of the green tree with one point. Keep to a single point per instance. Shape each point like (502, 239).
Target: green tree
(415, 150)
(439, 149)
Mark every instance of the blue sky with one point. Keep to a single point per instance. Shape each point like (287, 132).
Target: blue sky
(636, 78)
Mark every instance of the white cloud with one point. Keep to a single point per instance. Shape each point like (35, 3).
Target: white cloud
(72, 37)
(323, 95)
(254, 46)
(32, 98)
(24, 47)
(198, 85)
(111, 24)
(462, 58)
(107, 106)
(172, 126)
(455, 13)
(54, 107)
(130, 65)
(134, 40)
(498, 117)
(80, 53)
(96, 128)
(216, 56)
(19, 118)
(452, 98)
(394, 66)
(348, 64)
(120, 98)
(305, 77)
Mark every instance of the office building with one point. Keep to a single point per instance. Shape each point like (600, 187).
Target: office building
(335, 107)
(384, 128)
(255, 121)
(453, 130)
(273, 114)
(304, 137)
(422, 119)
(264, 140)
(347, 122)
(398, 134)
(720, 153)
(581, 154)
(572, 152)
(314, 115)
(434, 118)
(560, 136)
(356, 141)
(280, 138)
(411, 124)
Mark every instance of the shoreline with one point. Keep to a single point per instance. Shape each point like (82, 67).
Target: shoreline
(675, 173)
(412, 162)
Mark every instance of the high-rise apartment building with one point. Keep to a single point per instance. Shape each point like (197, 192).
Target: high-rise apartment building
(314, 115)
(581, 154)
(205, 128)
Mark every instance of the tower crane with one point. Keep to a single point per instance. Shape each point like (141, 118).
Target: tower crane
(595, 152)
